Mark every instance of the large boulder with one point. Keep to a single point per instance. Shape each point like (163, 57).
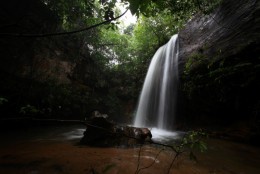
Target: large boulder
(102, 132)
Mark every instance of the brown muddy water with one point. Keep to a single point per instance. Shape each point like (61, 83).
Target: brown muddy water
(55, 150)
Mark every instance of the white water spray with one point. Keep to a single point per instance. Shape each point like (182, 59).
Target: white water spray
(156, 106)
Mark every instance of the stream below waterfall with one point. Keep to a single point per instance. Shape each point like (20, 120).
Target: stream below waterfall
(55, 149)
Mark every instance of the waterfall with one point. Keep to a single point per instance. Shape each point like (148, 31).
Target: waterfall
(156, 106)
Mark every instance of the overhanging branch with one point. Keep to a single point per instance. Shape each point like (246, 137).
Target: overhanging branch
(61, 33)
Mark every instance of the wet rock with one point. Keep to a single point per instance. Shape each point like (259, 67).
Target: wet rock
(102, 132)
(98, 114)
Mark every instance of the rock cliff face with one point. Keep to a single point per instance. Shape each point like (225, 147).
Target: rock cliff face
(232, 27)
(220, 68)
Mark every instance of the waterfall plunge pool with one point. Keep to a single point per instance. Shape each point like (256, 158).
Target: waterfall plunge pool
(53, 149)
(165, 136)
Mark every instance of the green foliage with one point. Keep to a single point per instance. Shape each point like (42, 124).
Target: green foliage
(72, 14)
(222, 86)
(180, 8)
(110, 62)
(127, 55)
(192, 141)
(3, 100)
(29, 110)
(195, 60)
(76, 13)
(81, 13)
(201, 73)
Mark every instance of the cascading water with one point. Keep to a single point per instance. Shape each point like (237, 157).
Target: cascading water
(156, 106)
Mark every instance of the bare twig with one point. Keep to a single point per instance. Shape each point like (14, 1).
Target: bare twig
(175, 157)
(150, 165)
(138, 162)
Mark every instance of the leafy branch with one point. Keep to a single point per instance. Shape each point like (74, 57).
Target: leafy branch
(191, 141)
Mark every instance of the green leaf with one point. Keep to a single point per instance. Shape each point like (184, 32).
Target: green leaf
(202, 146)
(3, 100)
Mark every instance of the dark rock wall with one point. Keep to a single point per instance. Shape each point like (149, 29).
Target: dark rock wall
(220, 67)
(234, 25)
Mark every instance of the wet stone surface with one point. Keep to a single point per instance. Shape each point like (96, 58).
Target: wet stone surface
(101, 132)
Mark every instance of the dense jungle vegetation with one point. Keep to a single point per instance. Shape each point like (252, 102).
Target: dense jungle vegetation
(71, 73)
(64, 59)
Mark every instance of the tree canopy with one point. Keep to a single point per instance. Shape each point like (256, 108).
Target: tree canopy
(109, 60)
